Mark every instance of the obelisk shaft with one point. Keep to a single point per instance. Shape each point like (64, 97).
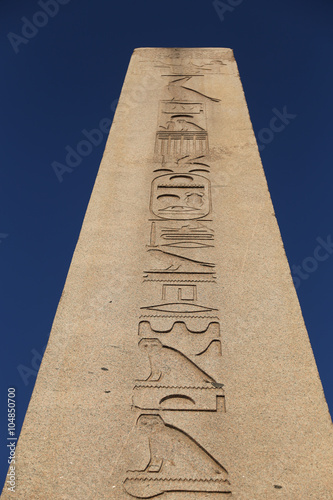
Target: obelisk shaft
(178, 363)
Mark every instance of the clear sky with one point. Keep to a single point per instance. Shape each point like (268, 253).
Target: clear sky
(63, 64)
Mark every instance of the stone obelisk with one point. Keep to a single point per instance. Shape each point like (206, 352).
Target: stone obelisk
(178, 365)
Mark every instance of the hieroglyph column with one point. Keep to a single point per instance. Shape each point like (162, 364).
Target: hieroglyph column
(178, 365)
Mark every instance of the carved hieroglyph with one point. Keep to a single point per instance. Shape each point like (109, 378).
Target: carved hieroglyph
(171, 452)
(179, 254)
(178, 366)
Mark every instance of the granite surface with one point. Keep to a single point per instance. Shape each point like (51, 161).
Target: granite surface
(178, 363)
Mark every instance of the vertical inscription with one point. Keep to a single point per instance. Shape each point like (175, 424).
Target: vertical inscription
(181, 275)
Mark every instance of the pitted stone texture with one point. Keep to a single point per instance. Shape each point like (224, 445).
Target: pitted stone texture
(81, 434)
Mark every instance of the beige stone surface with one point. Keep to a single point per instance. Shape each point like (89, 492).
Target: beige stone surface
(178, 362)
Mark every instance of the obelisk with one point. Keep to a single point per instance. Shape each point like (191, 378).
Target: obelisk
(178, 365)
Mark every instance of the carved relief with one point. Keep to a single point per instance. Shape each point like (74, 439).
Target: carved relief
(187, 108)
(176, 234)
(178, 277)
(184, 141)
(181, 316)
(182, 364)
(180, 196)
(182, 116)
(178, 307)
(175, 382)
(179, 292)
(194, 66)
(182, 123)
(179, 92)
(162, 261)
(192, 231)
(175, 249)
(186, 164)
(170, 367)
(176, 463)
(187, 244)
(159, 398)
(192, 343)
(191, 161)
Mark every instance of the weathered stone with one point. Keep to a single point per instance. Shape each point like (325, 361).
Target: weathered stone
(178, 362)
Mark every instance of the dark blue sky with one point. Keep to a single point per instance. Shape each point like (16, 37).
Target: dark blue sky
(66, 75)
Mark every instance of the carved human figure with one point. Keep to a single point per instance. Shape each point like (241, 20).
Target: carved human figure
(171, 367)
